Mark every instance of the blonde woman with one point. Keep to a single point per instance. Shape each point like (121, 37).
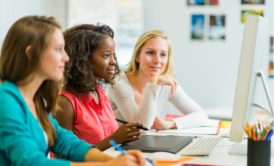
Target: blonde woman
(141, 92)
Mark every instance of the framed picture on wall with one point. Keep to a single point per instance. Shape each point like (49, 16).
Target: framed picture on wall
(216, 29)
(271, 59)
(251, 11)
(195, 2)
(252, 2)
(202, 2)
(197, 26)
(212, 2)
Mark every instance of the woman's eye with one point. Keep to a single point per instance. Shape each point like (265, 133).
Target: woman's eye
(105, 56)
(149, 52)
(163, 55)
(59, 49)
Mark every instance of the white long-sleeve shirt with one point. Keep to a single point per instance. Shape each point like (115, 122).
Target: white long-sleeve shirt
(154, 98)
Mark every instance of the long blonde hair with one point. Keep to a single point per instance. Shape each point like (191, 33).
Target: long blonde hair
(16, 65)
(133, 66)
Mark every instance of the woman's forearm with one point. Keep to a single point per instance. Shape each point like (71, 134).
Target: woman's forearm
(96, 155)
(104, 144)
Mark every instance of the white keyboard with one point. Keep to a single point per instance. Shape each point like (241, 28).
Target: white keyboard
(200, 146)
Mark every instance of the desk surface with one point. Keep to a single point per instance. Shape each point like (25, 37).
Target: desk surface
(219, 155)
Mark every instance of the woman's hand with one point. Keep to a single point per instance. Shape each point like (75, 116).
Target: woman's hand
(171, 81)
(161, 124)
(127, 132)
(96, 158)
(132, 158)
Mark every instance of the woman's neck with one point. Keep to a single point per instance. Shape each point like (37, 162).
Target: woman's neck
(29, 86)
(139, 81)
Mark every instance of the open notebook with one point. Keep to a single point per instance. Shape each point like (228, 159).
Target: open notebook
(154, 143)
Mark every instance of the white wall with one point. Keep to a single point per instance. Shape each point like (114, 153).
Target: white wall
(207, 69)
(11, 10)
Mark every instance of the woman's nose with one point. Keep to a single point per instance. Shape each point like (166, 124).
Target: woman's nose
(65, 56)
(157, 58)
(113, 60)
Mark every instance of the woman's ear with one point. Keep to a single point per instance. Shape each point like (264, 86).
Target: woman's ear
(137, 59)
(27, 51)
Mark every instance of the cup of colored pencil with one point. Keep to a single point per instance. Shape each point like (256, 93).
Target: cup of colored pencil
(259, 131)
(259, 143)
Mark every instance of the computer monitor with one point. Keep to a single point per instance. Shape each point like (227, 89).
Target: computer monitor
(253, 59)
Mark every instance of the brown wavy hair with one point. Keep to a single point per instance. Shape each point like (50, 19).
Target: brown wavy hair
(81, 42)
(16, 65)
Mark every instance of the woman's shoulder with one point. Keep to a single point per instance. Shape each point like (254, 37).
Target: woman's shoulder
(9, 93)
(121, 87)
(8, 87)
(12, 102)
(68, 95)
(121, 81)
(72, 98)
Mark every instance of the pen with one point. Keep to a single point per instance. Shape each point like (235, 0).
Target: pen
(116, 146)
(139, 127)
(123, 152)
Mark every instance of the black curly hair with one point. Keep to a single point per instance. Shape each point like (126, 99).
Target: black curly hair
(81, 41)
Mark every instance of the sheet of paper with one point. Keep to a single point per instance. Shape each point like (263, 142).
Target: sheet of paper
(212, 128)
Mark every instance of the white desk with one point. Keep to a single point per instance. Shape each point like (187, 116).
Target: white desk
(219, 156)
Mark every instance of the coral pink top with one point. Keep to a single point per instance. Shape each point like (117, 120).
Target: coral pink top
(92, 122)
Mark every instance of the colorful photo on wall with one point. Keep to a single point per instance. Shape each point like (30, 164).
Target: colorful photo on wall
(255, 12)
(252, 1)
(212, 2)
(271, 68)
(216, 29)
(271, 59)
(195, 2)
(202, 2)
(197, 26)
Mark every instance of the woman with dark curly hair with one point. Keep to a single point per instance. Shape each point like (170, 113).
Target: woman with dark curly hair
(85, 108)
